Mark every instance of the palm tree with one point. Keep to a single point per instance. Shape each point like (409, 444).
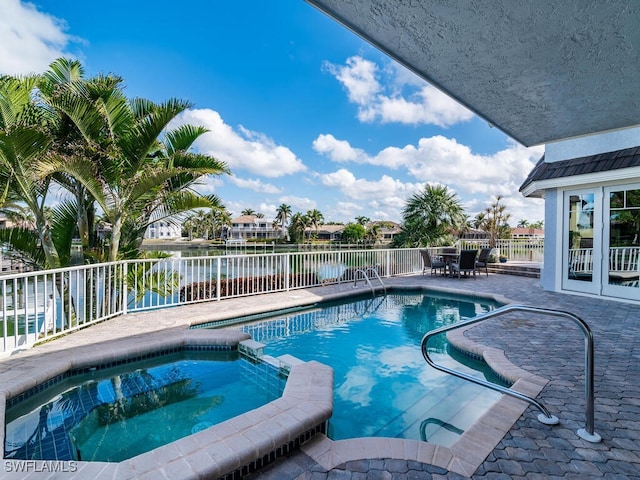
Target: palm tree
(140, 172)
(523, 223)
(283, 212)
(373, 233)
(248, 211)
(362, 220)
(315, 219)
(429, 217)
(496, 220)
(297, 227)
(23, 143)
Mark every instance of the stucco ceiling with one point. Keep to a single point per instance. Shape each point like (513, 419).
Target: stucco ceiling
(540, 70)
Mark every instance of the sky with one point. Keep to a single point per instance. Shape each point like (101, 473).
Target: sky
(303, 111)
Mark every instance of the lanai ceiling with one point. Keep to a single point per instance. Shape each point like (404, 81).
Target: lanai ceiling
(540, 70)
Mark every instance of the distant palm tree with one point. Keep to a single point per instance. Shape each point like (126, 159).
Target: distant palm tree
(283, 213)
(248, 211)
(523, 223)
(315, 219)
(373, 233)
(429, 217)
(297, 227)
(362, 220)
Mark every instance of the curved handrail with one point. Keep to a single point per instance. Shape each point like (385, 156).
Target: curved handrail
(364, 272)
(588, 432)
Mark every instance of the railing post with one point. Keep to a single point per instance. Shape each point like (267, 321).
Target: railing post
(125, 288)
(218, 275)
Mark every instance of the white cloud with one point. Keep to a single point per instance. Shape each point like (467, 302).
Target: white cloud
(242, 149)
(207, 185)
(255, 185)
(385, 102)
(386, 193)
(476, 178)
(358, 76)
(338, 150)
(29, 40)
(301, 204)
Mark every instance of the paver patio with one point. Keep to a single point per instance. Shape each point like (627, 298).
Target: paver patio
(546, 346)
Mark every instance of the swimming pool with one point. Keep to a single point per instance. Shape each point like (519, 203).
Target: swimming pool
(117, 413)
(383, 387)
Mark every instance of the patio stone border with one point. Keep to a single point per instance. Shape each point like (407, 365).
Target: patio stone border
(235, 447)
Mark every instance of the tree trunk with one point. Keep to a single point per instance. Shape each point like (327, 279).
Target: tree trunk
(114, 245)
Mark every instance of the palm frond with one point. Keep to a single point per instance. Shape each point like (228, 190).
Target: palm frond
(25, 242)
(182, 138)
(64, 218)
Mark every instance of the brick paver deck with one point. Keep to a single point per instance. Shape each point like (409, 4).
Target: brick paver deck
(552, 348)
(547, 347)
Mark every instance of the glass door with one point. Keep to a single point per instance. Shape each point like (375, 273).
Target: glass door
(581, 241)
(621, 263)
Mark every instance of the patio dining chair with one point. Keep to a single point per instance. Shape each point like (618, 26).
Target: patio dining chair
(430, 263)
(483, 260)
(466, 263)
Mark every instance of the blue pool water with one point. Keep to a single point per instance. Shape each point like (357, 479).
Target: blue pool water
(383, 387)
(112, 415)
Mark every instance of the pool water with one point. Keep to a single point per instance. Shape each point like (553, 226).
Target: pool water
(112, 415)
(383, 386)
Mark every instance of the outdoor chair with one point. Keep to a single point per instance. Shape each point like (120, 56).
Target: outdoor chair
(483, 260)
(466, 263)
(430, 263)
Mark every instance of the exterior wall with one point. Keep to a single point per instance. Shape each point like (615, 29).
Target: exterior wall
(551, 270)
(163, 230)
(591, 145)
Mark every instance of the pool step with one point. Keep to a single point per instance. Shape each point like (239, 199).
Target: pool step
(521, 269)
(432, 417)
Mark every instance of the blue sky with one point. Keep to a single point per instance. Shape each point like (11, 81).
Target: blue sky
(303, 111)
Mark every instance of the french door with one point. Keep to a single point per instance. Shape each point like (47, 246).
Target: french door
(601, 241)
(621, 270)
(582, 241)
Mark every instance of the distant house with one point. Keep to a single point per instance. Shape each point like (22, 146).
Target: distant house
(5, 222)
(527, 233)
(250, 226)
(163, 230)
(332, 233)
(387, 230)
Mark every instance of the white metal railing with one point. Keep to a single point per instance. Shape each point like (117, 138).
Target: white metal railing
(621, 259)
(39, 305)
(521, 249)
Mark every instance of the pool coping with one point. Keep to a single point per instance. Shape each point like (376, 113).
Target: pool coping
(295, 417)
(242, 443)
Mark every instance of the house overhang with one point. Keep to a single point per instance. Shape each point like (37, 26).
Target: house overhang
(536, 189)
(540, 71)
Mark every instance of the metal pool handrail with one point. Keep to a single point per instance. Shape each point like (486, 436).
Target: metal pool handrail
(586, 433)
(364, 272)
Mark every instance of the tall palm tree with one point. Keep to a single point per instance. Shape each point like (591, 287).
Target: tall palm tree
(141, 171)
(23, 143)
(315, 219)
(430, 216)
(283, 213)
